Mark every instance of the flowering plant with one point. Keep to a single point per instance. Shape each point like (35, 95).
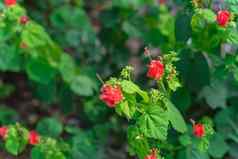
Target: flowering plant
(151, 114)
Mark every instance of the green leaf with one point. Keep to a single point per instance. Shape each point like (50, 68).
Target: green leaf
(127, 107)
(175, 117)
(131, 88)
(91, 148)
(49, 127)
(192, 153)
(6, 90)
(67, 68)
(201, 18)
(40, 71)
(154, 122)
(49, 149)
(226, 123)
(183, 28)
(218, 99)
(137, 143)
(181, 98)
(194, 70)
(83, 85)
(7, 115)
(17, 139)
(218, 147)
(10, 60)
(185, 140)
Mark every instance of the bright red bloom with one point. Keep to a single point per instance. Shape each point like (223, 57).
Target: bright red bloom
(111, 95)
(153, 155)
(33, 138)
(24, 20)
(9, 3)
(3, 132)
(223, 17)
(199, 130)
(156, 70)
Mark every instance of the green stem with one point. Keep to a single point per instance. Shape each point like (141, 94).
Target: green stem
(163, 88)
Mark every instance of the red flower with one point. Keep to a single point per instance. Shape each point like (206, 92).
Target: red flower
(223, 17)
(9, 3)
(3, 132)
(199, 130)
(33, 138)
(162, 1)
(23, 45)
(24, 20)
(156, 70)
(153, 155)
(111, 95)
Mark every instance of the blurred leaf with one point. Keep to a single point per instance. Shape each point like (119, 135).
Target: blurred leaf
(50, 127)
(194, 70)
(10, 60)
(40, 71)
(218, 146)
(218, 99)
(191, 153)
(67, 67)
(181, 98)
(49, 149)
(7, 115)
(83, 85)
(183, 27)
(6, 90)
(226, 122)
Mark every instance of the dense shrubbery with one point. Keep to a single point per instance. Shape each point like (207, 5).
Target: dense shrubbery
(54, 54)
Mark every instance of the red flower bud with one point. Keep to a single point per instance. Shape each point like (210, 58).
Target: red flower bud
(3, 132)
(111, 95)
(150, 157)
(223, 17)
(9, 3)
(24, 20)
(33, 138)
(153, 155)
(162, 1)
(156, 70)
(23, 45)
(198, 130)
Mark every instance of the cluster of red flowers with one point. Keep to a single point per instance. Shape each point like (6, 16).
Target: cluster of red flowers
(156, 69)
(111, 95)
(9, 3)
(223, 18)
(198, 130)
(153, 155)
(33, 137)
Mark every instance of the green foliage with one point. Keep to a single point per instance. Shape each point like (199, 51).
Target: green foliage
(16, 140)
(50, 127)
(49, 148)
(154, 123)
